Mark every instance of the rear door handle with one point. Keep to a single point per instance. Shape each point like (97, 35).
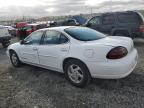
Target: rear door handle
(64, 49)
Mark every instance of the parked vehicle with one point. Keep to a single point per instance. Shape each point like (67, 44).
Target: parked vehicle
(70, 22)
(12, 30)
(20, 29)
(33, 27)
(4, 36)
(28, 29)
(80, 19)
(129, 23)
(21, 24)
(80, 52)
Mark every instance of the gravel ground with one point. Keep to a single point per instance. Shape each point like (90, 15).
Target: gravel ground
(33, 87)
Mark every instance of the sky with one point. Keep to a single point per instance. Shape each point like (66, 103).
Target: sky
(65, 7)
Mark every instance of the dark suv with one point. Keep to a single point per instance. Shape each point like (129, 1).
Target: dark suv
(129, 23)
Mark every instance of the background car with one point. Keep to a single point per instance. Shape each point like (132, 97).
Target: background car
(12, 30)
(129, 23)
(29, 28)
(81, 53)
(5, 36)
(70, 22)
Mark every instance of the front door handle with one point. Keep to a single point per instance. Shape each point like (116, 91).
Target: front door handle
(35, 49)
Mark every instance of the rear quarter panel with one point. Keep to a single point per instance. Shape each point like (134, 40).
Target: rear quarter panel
(90, 52)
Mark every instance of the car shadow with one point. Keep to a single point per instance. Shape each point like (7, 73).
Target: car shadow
(138, 42)
(134, 80)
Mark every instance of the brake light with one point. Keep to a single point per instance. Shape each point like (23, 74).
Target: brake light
(117, 53)
(141, 28)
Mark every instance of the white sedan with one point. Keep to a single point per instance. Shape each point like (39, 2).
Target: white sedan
(81, 53)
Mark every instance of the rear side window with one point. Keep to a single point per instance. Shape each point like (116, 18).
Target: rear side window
(54, 37)
(128, 18)
(51, 37)
(84, 34)
(108, 19)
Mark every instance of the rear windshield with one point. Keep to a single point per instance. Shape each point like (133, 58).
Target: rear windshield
(129, 18)
(84, 34)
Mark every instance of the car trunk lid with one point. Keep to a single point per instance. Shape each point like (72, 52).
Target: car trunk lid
(115, 41)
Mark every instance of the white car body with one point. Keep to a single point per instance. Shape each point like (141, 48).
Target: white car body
(92, 53)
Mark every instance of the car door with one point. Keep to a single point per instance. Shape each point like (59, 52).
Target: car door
(95, 23)
(54, 48)
(28, 51)
(108, 23)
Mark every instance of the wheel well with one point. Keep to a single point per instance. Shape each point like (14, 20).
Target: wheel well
(121, 31)
(71, 58)
(11, 50)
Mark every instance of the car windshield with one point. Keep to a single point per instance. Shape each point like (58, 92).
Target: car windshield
(84, 34)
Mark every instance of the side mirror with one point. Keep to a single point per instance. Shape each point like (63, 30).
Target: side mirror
(21, 42)
(25, 42)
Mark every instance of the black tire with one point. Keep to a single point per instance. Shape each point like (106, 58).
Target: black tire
(84, 72)
(17, 63)
(6, 44)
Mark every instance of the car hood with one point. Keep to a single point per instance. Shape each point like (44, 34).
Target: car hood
(14, 45)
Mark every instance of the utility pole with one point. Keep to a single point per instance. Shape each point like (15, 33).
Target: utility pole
(91, 11)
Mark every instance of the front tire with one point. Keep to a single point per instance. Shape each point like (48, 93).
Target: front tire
(14, 59)
(77, 73)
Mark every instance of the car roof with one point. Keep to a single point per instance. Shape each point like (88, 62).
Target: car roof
(60, 28)
(34, 24)
(118, 12)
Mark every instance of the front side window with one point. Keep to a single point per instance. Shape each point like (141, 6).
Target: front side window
(84, 34)
(94, 21)
(108, 19)
(54, 37)
(34, 38)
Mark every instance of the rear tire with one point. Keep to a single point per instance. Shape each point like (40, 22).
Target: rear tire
(77, 73)
(14, 59)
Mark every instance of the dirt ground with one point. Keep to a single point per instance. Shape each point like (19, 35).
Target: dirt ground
(33, 87)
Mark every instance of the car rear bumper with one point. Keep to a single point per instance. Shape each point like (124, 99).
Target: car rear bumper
(114, 69)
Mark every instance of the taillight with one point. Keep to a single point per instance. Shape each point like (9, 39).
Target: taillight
(141, 28)
(117, 53)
